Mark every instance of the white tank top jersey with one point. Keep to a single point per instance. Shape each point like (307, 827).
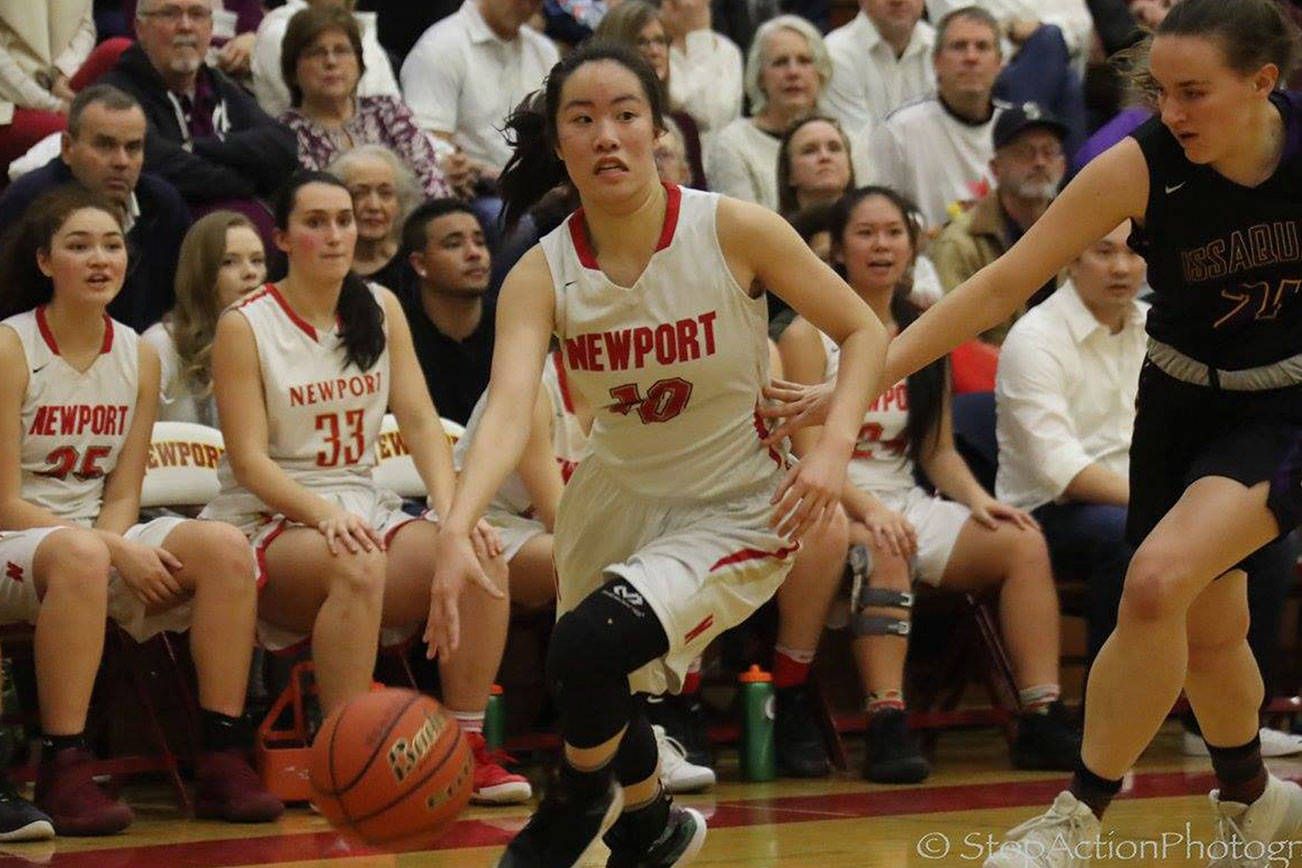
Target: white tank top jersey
(880, 461)
(74, 423)
(323, 415)
(568, 439)
(671, 366)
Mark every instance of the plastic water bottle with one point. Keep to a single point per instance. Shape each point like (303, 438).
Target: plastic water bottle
(495, 718)
(758, 762)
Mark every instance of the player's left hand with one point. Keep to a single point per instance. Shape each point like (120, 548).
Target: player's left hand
(988, 512)
(486, 540)
(797, 406)
(808, 493)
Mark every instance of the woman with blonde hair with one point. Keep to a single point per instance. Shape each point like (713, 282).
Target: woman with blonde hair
(221, 259)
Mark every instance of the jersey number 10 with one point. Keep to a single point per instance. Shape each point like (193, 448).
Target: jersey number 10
(664, 400)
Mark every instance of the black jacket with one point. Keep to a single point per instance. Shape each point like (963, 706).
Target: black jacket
(152, 244)
(252, 158)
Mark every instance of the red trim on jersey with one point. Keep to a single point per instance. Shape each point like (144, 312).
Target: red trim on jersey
(297, 320)
(752, 555)
(261, 553)
(583, 245)
(44, 328)
(563, 381)
(762, 431)
(43, 325)
(698, 630)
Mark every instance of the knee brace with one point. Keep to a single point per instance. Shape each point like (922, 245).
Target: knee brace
(863, 624)
(593, 649)
(638, 753)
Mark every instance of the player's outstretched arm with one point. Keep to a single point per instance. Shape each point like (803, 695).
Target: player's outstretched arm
(524, 325)
(538, 468)
(761, 247)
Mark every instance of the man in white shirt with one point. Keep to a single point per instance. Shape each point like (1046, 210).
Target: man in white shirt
(705, 67)
(937, 150)
(468, 71)
(1068, 375)
(1021, 18)
(880, 61)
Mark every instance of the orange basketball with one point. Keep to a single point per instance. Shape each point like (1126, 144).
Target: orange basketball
(391, 768)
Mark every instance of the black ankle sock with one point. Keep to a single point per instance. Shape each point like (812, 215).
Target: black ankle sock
(219, 731)
(53, 744)
(640, 827)
(584, 785)
(1094, 791)
(1240, 771)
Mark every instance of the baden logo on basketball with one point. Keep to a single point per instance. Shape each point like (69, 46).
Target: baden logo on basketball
(405, 755)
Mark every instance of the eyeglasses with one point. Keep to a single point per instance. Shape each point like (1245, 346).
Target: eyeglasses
(321, 52)
(1027, 153)
(173, 14)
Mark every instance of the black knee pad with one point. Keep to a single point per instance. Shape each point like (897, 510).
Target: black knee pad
(593, 649)
(638, 754)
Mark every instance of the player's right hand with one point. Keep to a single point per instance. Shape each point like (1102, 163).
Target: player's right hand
(455, 563)
(891, 532)
(149, 573)
(347, 529)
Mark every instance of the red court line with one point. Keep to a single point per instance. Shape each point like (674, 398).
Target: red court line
(748, 812)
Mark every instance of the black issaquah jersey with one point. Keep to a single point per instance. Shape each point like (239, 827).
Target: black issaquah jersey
(1224, 261)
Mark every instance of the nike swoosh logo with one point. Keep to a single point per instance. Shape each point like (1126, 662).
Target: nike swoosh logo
(41, 368)
(1171, 188)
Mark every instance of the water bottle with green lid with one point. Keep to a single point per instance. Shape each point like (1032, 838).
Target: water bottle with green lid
(495, 718)
(758, 762)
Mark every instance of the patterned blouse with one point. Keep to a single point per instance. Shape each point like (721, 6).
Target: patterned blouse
(379, 120)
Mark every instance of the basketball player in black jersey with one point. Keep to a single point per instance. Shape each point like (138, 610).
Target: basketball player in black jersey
(1214, 187)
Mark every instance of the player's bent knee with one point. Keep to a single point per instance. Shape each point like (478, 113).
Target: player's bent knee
(1153, 589)
(74, 561)
(227, 556)
(359, 574)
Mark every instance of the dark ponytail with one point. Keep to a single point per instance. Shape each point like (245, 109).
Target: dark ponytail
(361, 321)
(534, 168)
(927, 386)
(23, 286)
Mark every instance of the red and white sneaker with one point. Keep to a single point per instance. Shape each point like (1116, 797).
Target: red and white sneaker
(494, 785)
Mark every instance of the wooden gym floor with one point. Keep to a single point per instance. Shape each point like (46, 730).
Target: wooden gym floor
(841, 822)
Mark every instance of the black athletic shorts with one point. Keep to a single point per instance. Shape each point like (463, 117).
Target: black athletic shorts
(1184, 432)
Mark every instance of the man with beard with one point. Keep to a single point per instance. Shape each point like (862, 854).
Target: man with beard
(451, 326)
(1027, 166)
(207, 136)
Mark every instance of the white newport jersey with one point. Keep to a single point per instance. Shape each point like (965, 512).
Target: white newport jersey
(323, 412)
(74, 423)
(672, 366)
(568, 439)
(880, 461)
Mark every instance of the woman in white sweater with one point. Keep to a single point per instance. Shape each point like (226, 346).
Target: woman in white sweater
(787, 70)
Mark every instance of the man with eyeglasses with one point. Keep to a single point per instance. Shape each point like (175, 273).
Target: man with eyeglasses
(207, 136)
(1027, 166)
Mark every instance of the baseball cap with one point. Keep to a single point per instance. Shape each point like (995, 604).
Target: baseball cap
(1023, 116)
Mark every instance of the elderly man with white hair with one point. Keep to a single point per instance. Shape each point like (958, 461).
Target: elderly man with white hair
(207, 136)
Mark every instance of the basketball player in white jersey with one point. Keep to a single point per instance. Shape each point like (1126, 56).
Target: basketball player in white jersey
(677, 523)
(303, 371)
(965, 541)
(78, 398)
